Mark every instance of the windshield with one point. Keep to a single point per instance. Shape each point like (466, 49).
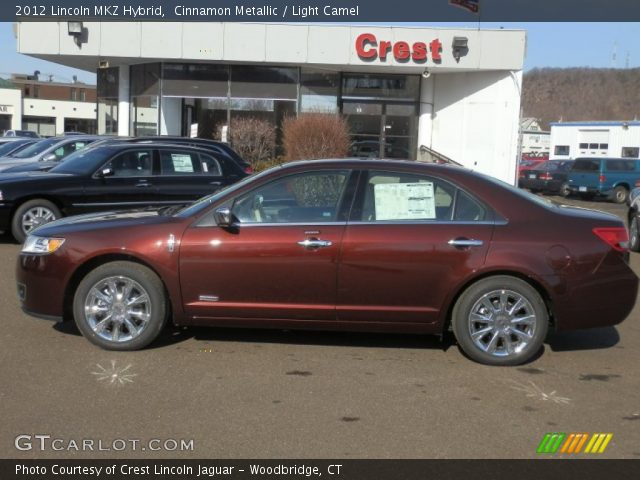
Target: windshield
(9, 147)
(36, 148)
(204, 202)
(83, 161)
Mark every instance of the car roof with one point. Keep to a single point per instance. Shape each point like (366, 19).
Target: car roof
(121, 146)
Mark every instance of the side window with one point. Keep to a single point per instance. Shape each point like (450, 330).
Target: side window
(630, 152)
(303, 198)
(131, 164)
(405, 197)
(179, 163)
(561, 150)
(210, 165)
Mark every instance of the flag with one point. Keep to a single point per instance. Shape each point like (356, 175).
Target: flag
(471, 5)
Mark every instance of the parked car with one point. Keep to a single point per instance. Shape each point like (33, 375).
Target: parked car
(7, 148)
(609, 177)
(220, 147)
(388, 246)
(549, 177)
(528, 165)
(21, 133)
(52, 149)
(111, 176)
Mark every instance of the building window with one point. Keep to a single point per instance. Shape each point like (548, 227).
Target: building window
(630, 152)
(27, 92)
(83, 96)
(561, 150)
(604, 146)
(73, 94)
(145, 88)
(107, 91)
(584, 146)
(593, 146)
(319, 91)
(36, 91)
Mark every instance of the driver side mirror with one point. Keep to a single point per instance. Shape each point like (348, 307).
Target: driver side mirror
(51, 157)
(106, 172)
(223, 217)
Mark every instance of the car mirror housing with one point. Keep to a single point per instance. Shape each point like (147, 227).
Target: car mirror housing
(51, 157)
(223, 217)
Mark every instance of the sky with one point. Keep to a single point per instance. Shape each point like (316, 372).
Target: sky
(548, 45)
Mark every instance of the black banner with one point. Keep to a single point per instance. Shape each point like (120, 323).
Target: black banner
(332, 469)
(324, 11)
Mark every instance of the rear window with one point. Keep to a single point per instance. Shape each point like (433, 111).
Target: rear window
(621, 165)
(586, 165)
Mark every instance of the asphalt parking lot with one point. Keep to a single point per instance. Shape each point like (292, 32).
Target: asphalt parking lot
(275, 394)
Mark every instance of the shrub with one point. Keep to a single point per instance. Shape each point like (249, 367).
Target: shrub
(315, 135)
(254, 139)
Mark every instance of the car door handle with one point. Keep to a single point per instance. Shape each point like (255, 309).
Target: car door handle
(465, 242)
(143, 184)
(312, 243)
(215, 183)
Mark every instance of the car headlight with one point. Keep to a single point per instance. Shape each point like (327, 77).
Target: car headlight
(44, 245)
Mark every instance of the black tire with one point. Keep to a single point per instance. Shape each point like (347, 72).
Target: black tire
(17, 230)
(147, 282)
(620, 194)
(634, 234)
(508, 348)
(564, 190)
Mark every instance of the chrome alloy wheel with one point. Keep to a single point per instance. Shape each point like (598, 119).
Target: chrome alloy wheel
(117, 309)
(36, 216)
(502, 323)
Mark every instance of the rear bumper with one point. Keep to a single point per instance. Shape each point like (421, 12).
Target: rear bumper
(601, 298)
(545, 185)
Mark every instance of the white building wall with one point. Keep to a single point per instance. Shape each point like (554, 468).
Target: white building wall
(476, 118)
(615, 136)
(11, 105)
(58, 109)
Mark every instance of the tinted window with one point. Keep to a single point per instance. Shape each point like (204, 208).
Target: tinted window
(9, 147)
(630, 152)
(83, 162)
(586, 165)
(68, 148)
(562, 150)
(593, 146)
(399, 197)
(210, 165)
(131, 164)
(621, 165)
(584, 146)
(303, 198)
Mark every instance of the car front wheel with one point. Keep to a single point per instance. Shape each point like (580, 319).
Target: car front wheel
(30, 215)
(120, 306)
(500, 320)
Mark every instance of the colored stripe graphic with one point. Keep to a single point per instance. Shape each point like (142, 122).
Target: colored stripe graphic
(551, 442)
(573, 443)
(598, 443)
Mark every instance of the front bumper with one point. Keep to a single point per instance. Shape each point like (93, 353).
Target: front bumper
(41, 281)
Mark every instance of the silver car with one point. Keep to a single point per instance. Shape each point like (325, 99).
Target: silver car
(52, 149)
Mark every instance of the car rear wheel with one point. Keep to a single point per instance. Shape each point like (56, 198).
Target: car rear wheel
(120, 306)
(30, 215)
(564, 190)
(634, 235)
(620, 194)
(500, 320)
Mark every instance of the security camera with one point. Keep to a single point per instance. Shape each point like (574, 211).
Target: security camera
(426, 73)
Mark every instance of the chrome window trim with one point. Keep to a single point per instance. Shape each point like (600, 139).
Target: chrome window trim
(431, 222)
(115, 204)
(294, 224)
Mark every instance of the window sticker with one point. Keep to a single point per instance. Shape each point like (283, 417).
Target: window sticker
(405, 201)
(182, 163)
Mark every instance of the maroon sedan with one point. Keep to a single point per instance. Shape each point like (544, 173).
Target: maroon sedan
(381, 246)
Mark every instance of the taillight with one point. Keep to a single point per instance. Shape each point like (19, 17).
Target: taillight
(545, 176)
(617, 237)
(248, 169)
(637, 183)
(602, 178)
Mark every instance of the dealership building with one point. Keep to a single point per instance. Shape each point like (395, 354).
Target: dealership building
(406, 92)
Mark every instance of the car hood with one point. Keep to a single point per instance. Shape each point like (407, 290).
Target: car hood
(105, 220)
(30, 176)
